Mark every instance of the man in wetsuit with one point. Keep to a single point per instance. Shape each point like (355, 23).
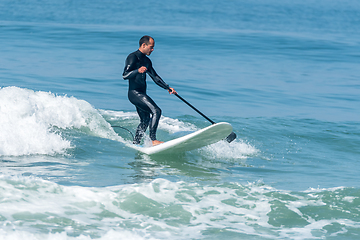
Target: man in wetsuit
(137, 64)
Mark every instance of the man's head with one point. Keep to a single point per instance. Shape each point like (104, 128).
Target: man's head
(146, 45)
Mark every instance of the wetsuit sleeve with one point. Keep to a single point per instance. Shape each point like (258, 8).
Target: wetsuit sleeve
(130, 70)
(156, 78)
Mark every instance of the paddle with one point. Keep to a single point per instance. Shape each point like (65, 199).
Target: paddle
(229, 138)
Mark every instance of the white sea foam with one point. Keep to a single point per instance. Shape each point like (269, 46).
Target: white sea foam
(160, 209)
(237, 149)
(119, 115)
(174, 125)
(30, 121)
(110, 235)
(167, 124)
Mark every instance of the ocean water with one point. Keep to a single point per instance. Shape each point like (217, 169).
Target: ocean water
(284, 74)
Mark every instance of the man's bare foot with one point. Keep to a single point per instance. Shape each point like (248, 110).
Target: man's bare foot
(156, 142)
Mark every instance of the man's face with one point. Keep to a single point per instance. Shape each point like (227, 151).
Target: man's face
(147, 49)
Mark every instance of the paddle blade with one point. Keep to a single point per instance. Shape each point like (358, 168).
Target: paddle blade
(231, 137)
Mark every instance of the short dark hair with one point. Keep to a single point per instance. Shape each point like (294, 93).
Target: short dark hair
(145, 39)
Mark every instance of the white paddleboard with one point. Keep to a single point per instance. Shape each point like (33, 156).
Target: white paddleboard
(198, 139)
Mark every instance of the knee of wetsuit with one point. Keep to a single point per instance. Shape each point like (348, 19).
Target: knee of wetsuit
(158, 112)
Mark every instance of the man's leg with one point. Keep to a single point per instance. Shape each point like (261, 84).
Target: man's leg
(145, 107)
(144, 123)
(154, 122)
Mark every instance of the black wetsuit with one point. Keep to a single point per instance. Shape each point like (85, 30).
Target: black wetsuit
(147, 109)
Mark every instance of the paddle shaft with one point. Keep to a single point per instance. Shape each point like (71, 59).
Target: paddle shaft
(212, 122)
(229, 138)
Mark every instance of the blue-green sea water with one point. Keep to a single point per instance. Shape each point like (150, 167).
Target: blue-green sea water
(284, 74)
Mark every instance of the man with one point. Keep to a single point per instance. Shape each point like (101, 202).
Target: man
(137, 64)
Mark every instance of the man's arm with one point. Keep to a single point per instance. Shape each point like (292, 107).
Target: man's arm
(130, 69)
(156, 78)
